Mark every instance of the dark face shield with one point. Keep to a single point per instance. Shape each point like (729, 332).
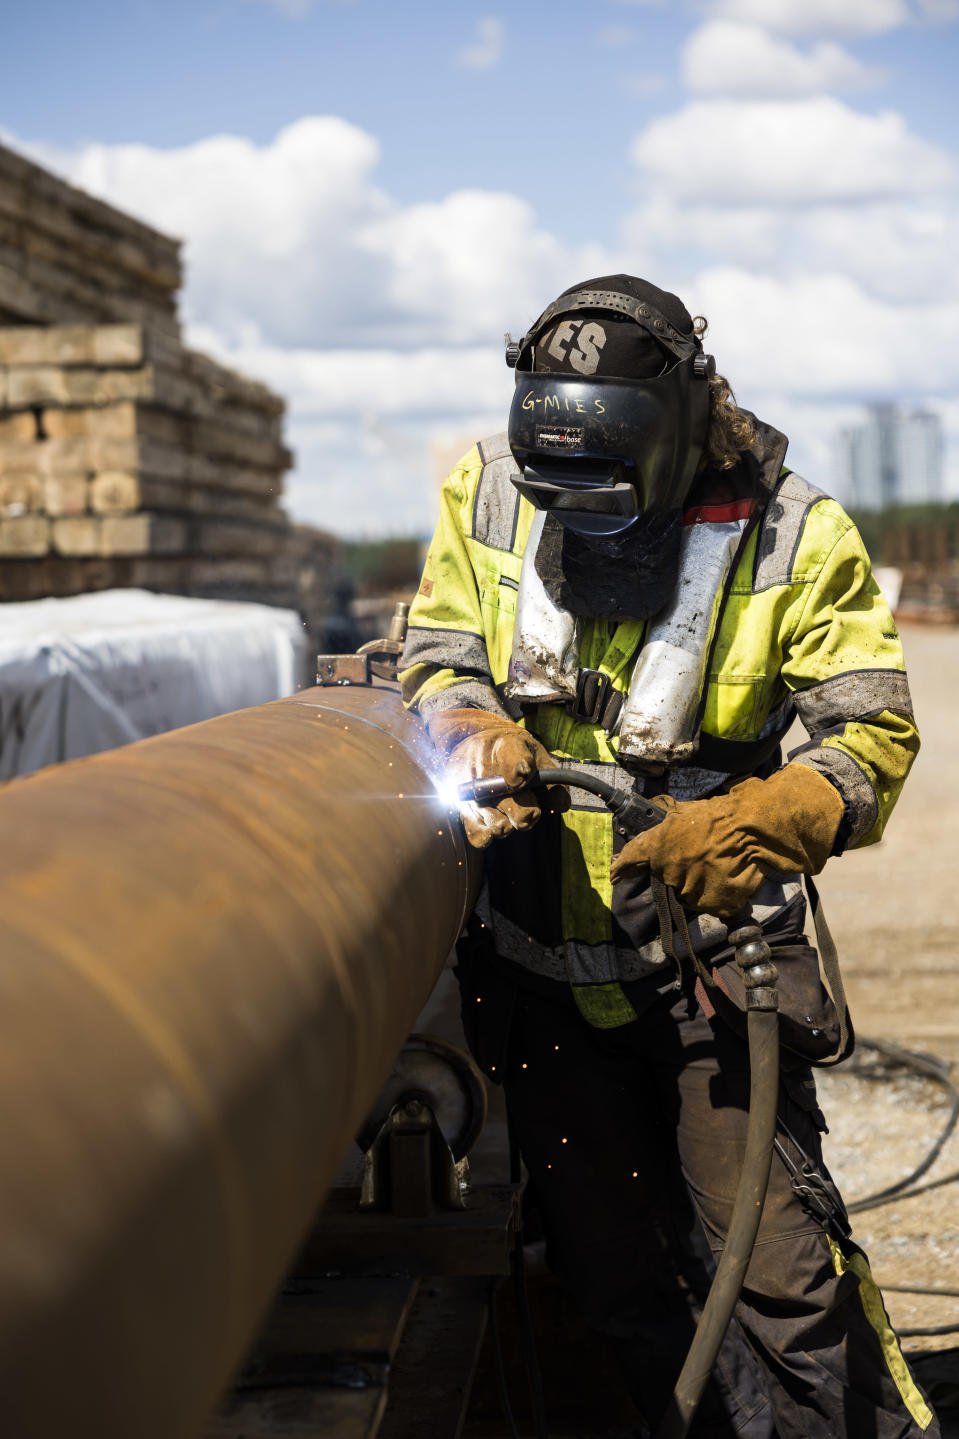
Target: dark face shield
(599, 452)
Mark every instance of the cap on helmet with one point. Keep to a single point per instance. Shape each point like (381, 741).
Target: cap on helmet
(611, 406)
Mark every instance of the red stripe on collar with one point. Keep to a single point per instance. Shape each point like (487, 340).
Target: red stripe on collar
(719, 514)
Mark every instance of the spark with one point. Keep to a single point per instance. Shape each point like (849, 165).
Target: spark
(564, 1141)
(526, 1066)
(449, 794)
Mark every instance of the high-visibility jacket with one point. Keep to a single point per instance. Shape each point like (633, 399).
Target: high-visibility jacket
(803, 629)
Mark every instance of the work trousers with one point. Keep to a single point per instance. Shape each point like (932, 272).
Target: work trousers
(619, 1130)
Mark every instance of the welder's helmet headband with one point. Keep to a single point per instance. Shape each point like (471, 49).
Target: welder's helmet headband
(611, 406)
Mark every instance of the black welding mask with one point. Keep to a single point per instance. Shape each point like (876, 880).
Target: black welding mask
(611, 406)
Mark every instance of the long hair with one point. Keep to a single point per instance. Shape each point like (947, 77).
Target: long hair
(731, 430)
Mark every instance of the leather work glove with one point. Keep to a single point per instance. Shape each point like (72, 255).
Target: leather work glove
(716, 852)
(479, 744)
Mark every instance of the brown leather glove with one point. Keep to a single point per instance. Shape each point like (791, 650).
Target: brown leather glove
(478, 744)
(716, 852)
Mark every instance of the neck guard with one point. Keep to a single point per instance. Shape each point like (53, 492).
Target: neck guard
(631, 577)
(658, 726)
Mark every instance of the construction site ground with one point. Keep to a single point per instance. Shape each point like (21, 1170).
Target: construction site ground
(892, 910)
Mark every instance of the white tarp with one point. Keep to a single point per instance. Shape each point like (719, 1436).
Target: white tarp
(94, 671)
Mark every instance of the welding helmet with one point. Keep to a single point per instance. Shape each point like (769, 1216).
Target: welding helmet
(611, 405)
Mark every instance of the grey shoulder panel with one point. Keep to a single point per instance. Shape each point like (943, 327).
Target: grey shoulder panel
(494, 447)
(496, 502)
(854, 695)
(780, 531)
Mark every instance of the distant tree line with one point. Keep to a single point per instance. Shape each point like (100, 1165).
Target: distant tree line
(383, 567)
(926, 534)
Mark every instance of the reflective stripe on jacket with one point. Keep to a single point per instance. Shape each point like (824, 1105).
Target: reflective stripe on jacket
(804, 629)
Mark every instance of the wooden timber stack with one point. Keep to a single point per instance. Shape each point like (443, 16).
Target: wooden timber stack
(127, 459)
(66, 258)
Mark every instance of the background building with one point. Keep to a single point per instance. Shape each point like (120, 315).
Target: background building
(895, 457)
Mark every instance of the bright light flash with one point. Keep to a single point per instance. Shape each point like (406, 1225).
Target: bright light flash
(448, 793)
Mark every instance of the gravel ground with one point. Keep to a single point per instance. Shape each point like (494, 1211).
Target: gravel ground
(890, 910)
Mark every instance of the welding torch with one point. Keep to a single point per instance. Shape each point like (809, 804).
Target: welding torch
(631, 812)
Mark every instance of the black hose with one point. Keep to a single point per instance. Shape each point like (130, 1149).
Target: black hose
(582, 779)
(762, 1028)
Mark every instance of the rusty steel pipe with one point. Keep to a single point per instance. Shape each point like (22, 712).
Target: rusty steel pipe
(212, 945)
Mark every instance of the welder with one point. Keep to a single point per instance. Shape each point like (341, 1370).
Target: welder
(630, 580)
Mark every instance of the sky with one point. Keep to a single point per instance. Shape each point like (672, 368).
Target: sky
(371, 193)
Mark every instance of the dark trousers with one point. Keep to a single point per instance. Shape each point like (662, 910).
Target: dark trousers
(628, 1135)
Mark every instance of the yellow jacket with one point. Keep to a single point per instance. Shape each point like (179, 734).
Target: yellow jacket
(803, 629)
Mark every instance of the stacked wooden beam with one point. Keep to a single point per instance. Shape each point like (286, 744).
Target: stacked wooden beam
(126, 459)
(66, 257)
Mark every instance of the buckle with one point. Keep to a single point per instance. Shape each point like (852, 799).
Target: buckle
(596, 702)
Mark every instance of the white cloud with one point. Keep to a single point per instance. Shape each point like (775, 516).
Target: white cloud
(903, 253)
(615, 37)
(729, 57)
(295, 9)
(402, 384)
(939, 12)
(486, 48)
(817, 17)
(362, 311)
(294, 240)
(461, 264)
(271, 231)
(781, 152)
(363, 424)
(823, 337)
(644, 86)
(820, 243)
(818, 240)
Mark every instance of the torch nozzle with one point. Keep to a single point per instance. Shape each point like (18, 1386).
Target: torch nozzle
(484, 791)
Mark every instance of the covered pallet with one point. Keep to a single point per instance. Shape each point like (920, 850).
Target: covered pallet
(88, 673)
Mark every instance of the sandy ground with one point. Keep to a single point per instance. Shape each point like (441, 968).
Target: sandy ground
(891, 908)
